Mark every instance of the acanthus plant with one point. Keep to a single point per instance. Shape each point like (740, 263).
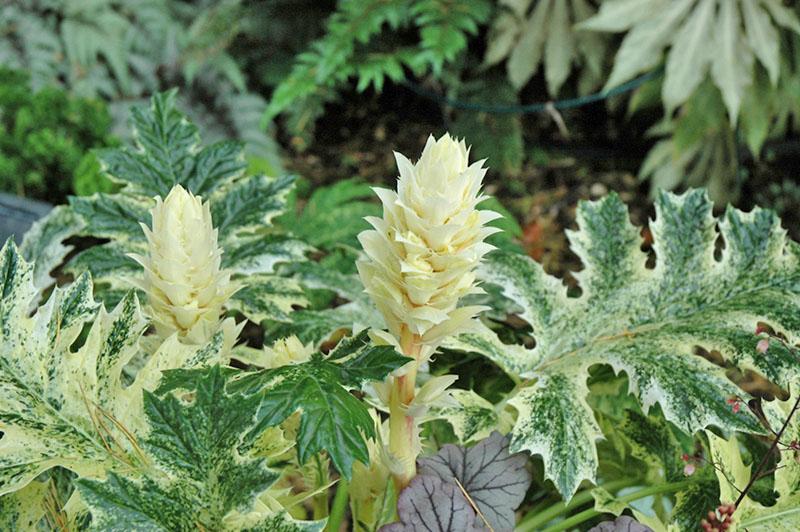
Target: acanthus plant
(165, 416)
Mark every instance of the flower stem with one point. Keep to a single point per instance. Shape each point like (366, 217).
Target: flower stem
(402, 427)
(339, 506)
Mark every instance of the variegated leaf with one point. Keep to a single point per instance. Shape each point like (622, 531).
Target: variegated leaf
(738, 30)
(472, 417)
(647, 322)
(317, 326)
(62, 399)
(167, 152)
(23, 510)
(267, 297)
(42, 244)
(205, 476)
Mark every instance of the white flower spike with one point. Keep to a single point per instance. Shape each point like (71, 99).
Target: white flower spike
(185, 285)
(421, 258)
(422, 255)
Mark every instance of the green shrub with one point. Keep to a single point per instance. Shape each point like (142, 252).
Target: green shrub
(44, 137)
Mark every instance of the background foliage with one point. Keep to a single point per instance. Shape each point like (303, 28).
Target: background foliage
(603, 355)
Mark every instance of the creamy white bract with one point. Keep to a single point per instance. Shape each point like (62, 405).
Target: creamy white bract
(422, 255)
(185, 285)
(421, 258)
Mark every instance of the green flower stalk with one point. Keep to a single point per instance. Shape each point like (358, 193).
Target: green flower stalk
(420, 261)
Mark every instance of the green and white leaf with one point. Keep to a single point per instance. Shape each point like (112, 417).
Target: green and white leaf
(266, 297)
(331, 419)
(62, 400)
(317, 326)
(42, 244)
(647, 322)
(167, 152)
(22, 510)
(204, 474)
(472, 417)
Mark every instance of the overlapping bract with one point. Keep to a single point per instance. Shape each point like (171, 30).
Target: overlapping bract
(423, 253)
(186, 287)
(167, 152)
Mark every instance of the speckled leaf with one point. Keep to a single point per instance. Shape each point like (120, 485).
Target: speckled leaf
(555, 422)
(495, 480)
(245, 206)
(428, 503)
(42, 244)
(283, 522)
(166, 152)
(262, 253)
(203, 473)
(22, 510)
(514, 359)
(317, 326)
(647, 322)
(267, 297)
(472, 417)
(62, 403)
(113, 216)
(332, 419)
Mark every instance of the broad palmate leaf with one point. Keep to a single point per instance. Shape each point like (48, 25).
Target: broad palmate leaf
(332, 419)
(202, 479)
(707, 293)
(167, 152)
(62, 399)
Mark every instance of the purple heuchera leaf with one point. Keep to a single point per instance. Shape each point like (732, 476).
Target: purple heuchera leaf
(495, 480)
(429, 504)
(623, 523)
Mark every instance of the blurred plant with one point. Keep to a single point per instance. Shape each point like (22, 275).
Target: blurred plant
(731, 73)
(529, 33)
(126, 50)
(331, 216)
(44, 140)
(357, 46)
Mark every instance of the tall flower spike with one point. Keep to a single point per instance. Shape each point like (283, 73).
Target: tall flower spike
(420, 261)
(185, 285)
(423, 253)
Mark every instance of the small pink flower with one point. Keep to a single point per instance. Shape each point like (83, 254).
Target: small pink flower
(762, 345)
(689, 470)
(735, 403)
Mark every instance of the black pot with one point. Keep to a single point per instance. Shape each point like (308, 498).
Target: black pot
(17, 214)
